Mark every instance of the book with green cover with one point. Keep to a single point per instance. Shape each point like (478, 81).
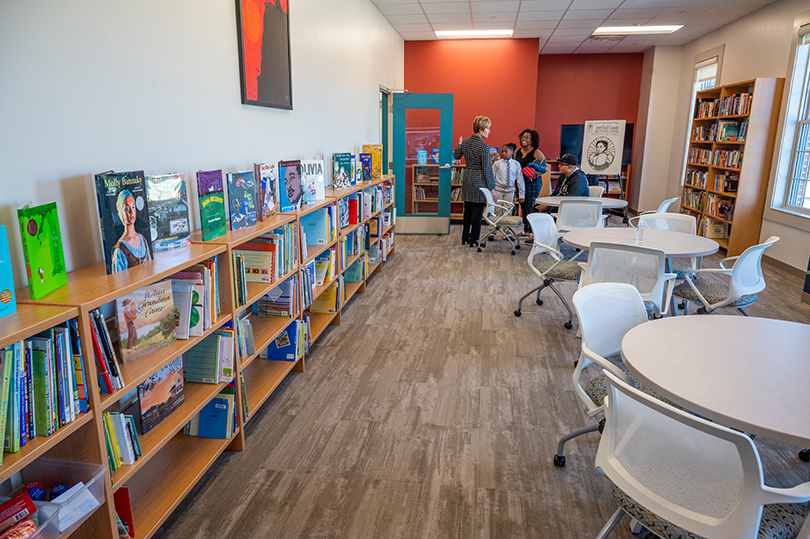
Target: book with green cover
(42, 248)
(201, 363)
(7, 362)
(40, 358)
(212, 203)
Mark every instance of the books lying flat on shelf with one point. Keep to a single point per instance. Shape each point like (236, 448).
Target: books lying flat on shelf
(212, 203)
(161, 394)
(146, 320)
(124, 218)
(42, 249)
(169, 223)
(241, 201)
(265, 180)
(290, 186)
(8, 299)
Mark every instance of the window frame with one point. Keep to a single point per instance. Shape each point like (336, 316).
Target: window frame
(794, 182)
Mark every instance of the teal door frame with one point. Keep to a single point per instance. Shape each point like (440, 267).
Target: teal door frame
(420, 224)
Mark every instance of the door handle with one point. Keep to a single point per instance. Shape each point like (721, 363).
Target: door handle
(448, 165)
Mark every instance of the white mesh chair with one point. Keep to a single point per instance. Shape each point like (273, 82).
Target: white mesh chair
(746, 280)
(679, 475)
(551, 267)
(596, 191)
(662, 208)
(642, 267)
(576, 214)
(498, 216)
(606, 312)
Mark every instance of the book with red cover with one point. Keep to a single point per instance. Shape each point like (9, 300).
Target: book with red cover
(353, 211)
(16, 509)
(104, 379)
(123, 508)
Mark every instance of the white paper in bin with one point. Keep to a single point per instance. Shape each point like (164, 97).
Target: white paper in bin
(47, 518)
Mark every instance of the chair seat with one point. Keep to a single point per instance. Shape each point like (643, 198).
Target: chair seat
(649, 306)
(597, 389)
(713, 291)
(680, 266)
(510, 220)
(566, 270)
(779, 520)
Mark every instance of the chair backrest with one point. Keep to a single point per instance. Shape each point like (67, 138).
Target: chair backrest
(677, 222)
(490, 209)
(665, 205)
(642, 267)
(696, 474)
(544, 231)
(575, 214)
(606, 311)
(746, 275)
(596, 191)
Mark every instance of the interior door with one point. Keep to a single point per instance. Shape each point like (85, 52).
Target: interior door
(423, 157)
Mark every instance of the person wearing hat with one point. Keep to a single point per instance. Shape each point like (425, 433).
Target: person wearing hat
(572, 182)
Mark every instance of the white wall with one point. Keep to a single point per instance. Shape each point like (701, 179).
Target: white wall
(153, 85)
(757, 45)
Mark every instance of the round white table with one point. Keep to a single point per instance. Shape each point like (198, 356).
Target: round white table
(674, 244)
(750, 374)
(607, 203)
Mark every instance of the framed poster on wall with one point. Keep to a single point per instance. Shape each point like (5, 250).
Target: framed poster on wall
(263, 31)
(602, 147)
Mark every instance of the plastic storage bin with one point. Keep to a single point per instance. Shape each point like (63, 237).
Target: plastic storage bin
(52, 472)
(47, 517)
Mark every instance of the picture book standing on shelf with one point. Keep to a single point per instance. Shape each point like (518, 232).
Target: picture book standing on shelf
(241, 203)
(313, 174)
(212, 203)
(365, 167)
(264, 175)
(160, 394)
(291, 187)
(146, 320)
(169, 223)
(376, 159)
(124, 216)
(8, 300)
(42, 248)
(342, 170)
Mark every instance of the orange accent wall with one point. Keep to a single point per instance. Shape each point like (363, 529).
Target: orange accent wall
(494, 78)
(573, 88)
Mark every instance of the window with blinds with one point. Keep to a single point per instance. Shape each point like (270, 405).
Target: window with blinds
(706, 76)
(797, 194)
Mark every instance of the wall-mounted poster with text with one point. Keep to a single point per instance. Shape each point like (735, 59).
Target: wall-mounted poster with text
(264, 52)
(602, 146)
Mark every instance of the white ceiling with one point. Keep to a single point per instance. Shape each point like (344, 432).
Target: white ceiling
(564, 26)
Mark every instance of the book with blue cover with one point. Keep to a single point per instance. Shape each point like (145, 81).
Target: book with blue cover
(285, 346)
(241, 199)
(213, 419)
(290, 185)
(366, 166)
(8, 300)
(316, 227)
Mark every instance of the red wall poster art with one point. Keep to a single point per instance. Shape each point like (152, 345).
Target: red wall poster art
(264, 52)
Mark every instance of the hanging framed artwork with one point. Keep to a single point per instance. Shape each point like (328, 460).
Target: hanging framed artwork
(263, 30)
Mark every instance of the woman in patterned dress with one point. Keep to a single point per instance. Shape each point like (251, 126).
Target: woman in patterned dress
(529, 156)
(477, 174)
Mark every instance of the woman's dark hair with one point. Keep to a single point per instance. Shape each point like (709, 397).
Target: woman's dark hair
(535, 137)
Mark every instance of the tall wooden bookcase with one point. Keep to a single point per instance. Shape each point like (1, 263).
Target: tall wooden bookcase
(172, 463)
(731, 142)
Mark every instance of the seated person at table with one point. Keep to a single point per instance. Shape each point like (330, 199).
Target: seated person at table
(572, 182)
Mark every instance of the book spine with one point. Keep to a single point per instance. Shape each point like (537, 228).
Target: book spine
(104, 247)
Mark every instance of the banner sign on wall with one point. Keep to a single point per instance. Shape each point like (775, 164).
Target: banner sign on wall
(602, 146)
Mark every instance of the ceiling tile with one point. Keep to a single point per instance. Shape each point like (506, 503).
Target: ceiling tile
(449, 17)
(595, 4)
(446, 7)
(493, 25)
(593, 14)
(535, 25)
(553, 40)
(452, 25)
(494, 7)
(589, 23)
(698, 3)
(576, 32)
(540, 15)
(420, 27)
(417, 36)
(635, 13)
(646, 3)
(544, 5)
(407, 19)
(400, 9)
(495, 17)
(523, 34)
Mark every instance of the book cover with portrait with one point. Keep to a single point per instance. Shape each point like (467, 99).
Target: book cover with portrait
(212, 203)
(241, 199)
(290, 185)
(342, 170)
(124, 217)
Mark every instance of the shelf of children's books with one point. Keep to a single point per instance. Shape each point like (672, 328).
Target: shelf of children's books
(340, 193)
(373, 240)
(351, 290)
(372, 268)
(233, 238)
(262, 377)
(313, 251)
(684, 206)
(723, 242)
(390, 250)
(166, 479)
(746, 115)
(38, 446)
(195, 397)
(737, 169)
(257, 290)
(319, 289)
(697, 187)
(134, 372)
(375, 214)
(351, 260)
(265, 331)
(388, 229)
(703, 118)
(722, 193)
(346, 230)
(698, 165)
(386, 206)
(92, 287)
(717, 217)
(701, 141)
(309, 208)
(319, 322)
(30, 319)
(730, 142)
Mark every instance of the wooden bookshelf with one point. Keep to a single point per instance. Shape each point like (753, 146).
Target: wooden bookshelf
(708, 184)
(172, 463)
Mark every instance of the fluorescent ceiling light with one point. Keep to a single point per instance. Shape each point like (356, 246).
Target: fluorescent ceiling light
(619, 30)
(472, 33)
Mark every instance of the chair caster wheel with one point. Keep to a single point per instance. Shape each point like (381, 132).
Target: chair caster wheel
(701, 310)
(513, 253)
(559, 461)
(682, 305)
(538, 301)
(479, 250)
(804, 454)
(517, 312)
(568, 325)
(517, 246)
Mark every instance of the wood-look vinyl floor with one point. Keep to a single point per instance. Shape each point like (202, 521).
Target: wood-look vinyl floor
(433, 411)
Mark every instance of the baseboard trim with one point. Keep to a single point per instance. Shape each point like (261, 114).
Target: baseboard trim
(800, 273)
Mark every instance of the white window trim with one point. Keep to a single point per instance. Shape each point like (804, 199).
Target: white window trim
(776, 210)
